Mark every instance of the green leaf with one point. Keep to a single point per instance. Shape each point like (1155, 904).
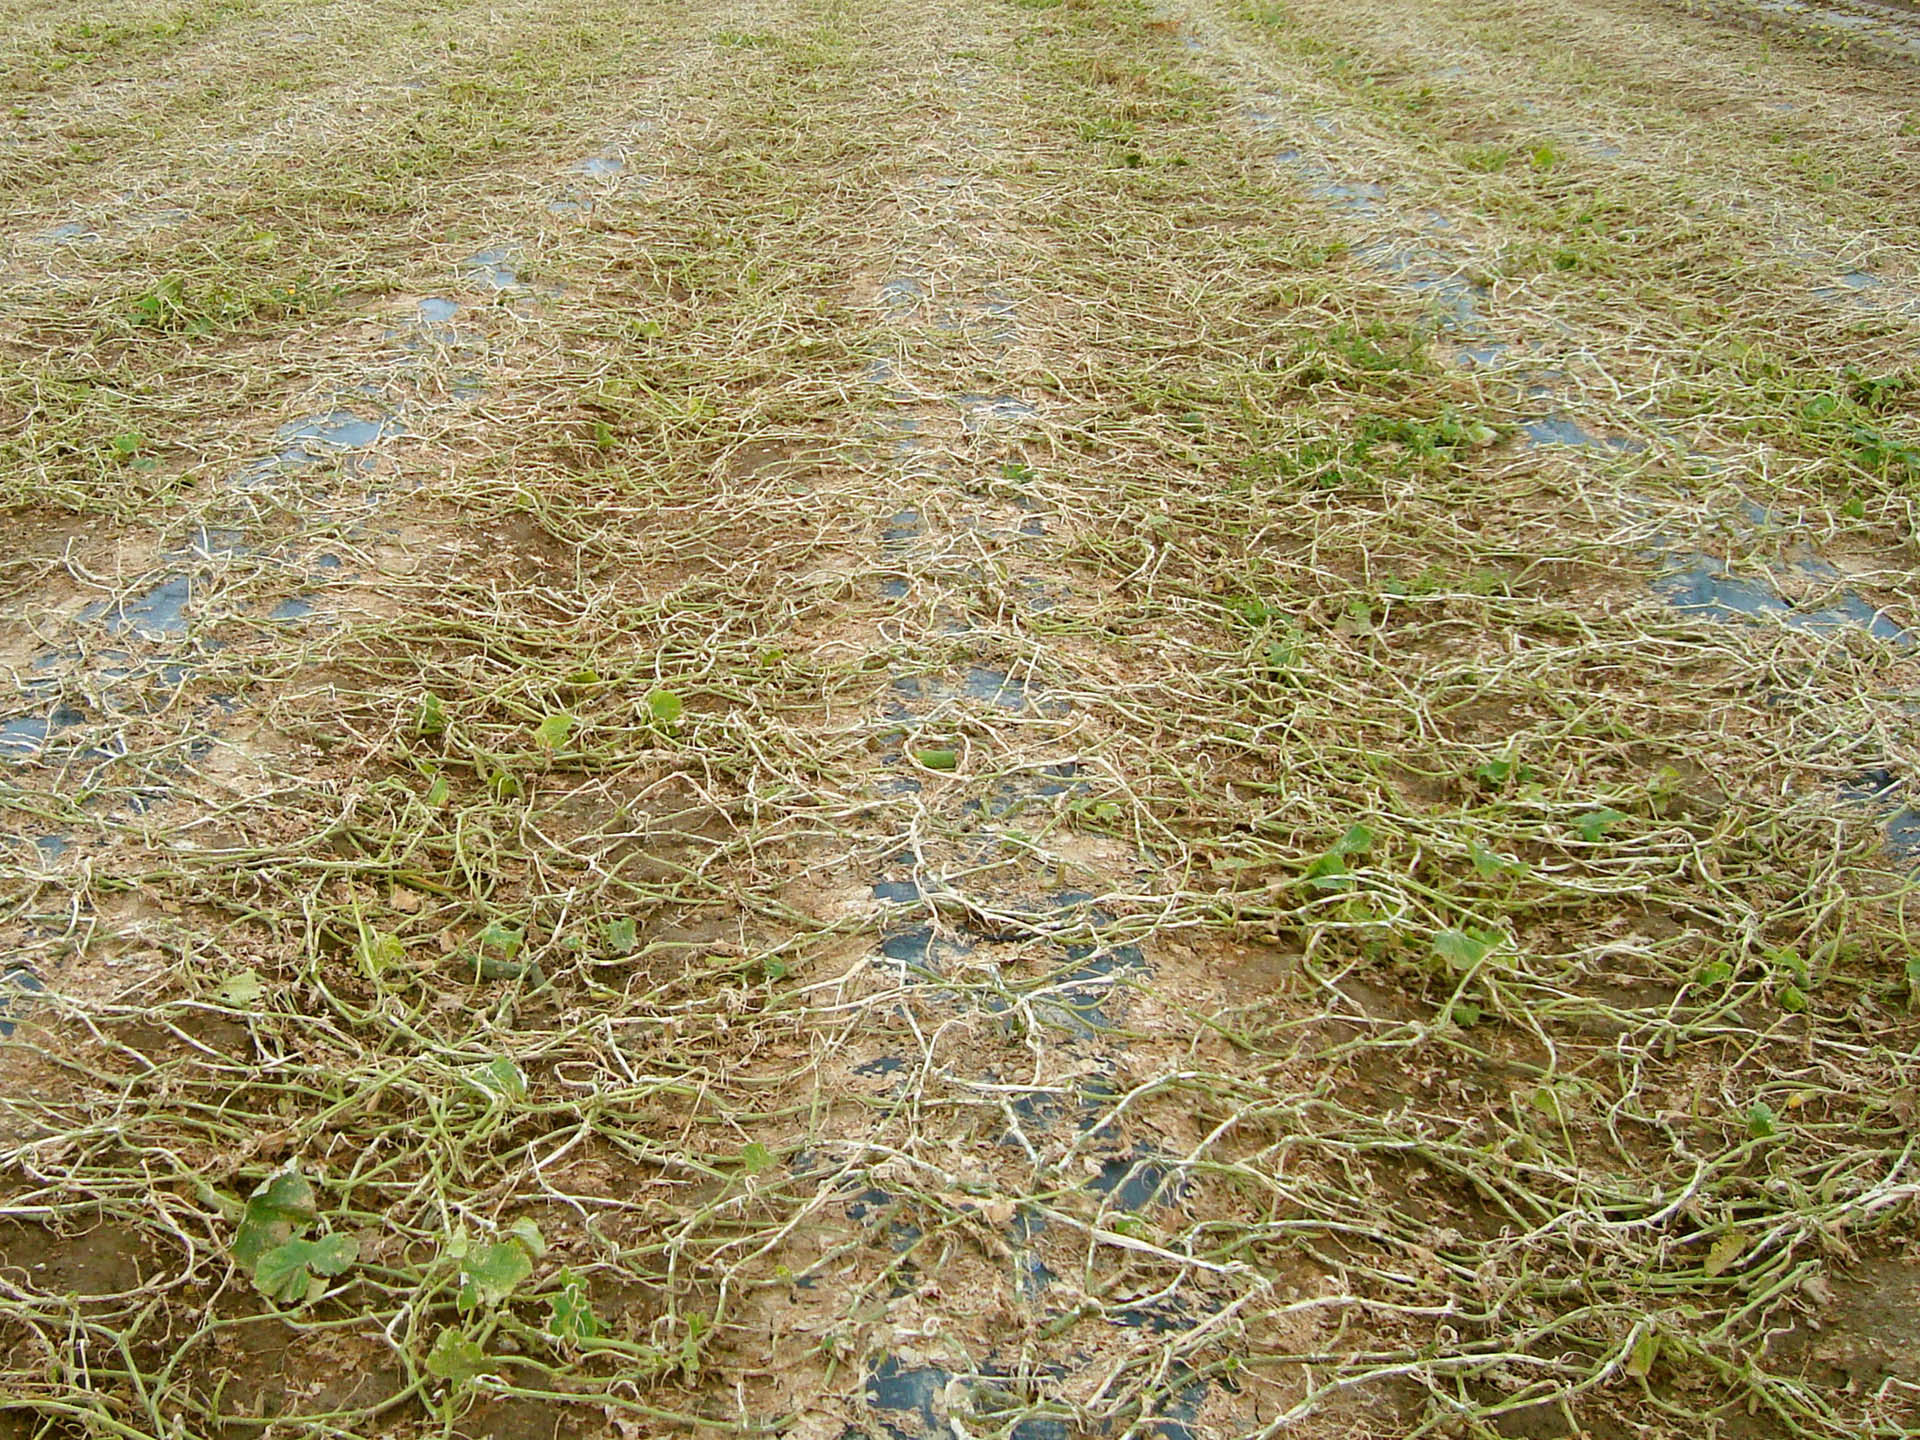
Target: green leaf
(489, 1275)
(1496, 773)
(570, 1312)
(690, 1346)
(1249, 608)
(1762, 1123)
(334, 1254)
(244, 989)
(938, 759)
(380, 953)
(1792, 999)
(501, 941)
(290, 1271)
(1329, 872)
(279, 1208)
(621, 936)
(1593, 826)
(1486, 864)
(1913, 978)
(432, 716)
(456, 1357)
(437, 792)
(1645, 1351)
(1725, 1251)
(1793, 963)
(1466, 1014)
(1714, 972)
(1356, 619)
(487, 967)
(498, 1079)
(1463, 950)
(1357, 841)
(664, 707)
(756, 1157)
(527, 1231)
(552, 732)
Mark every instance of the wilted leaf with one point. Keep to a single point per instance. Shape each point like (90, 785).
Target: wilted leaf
(380, 953)
(1329, 872)
(571, 1316)
(1496, 773)
(1725, 1251)
(690, 1345)
(1793, 963)
(456, 1357)
(527, 1231)
(1463, 950)
(1593, 826)
(499, 1078)
(245, 988)
(288, 1272)
(500, 941)
(620, 935)
(490, 1274)
(279, 1208)
(1357, 841)
(1645, 1351)
(552, 732)
(1486, 864)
